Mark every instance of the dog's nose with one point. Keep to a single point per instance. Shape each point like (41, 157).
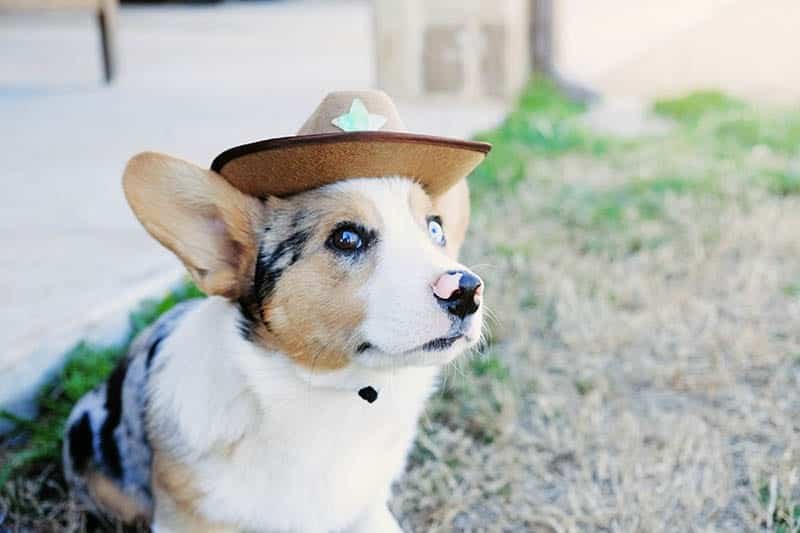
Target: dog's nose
(459, 291)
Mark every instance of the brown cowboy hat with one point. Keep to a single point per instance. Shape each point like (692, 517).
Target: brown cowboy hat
(350, 135)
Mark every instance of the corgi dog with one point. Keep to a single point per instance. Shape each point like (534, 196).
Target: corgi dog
(289, 398)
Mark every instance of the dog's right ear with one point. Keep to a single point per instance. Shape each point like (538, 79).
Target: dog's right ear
(211, 226)
(453, 206)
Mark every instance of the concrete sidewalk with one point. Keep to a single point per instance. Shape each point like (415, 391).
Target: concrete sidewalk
(193, 81)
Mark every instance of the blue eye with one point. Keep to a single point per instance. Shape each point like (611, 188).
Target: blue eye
(436, 230)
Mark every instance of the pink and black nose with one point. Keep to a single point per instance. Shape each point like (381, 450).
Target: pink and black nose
(459, 292)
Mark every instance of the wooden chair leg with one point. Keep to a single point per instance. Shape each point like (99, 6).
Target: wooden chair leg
(107, 24)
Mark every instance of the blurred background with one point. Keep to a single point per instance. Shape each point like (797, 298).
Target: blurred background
(637, 225)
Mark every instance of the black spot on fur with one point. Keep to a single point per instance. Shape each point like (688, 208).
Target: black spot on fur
(113, 405)
(151, 353)
(261, 273)
(249, 309)
(298, 219)
(271, 273)
(79, 438)
(266, 276)
(363, 347)
(95, 523)
(296, 255)
(369, 394)
(246, 320)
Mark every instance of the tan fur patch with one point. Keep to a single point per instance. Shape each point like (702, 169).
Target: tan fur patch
(313, 312)
(177, 480)
(177, 490)
(420, 204)
(111, 499)
(316, 329)
(453, 207)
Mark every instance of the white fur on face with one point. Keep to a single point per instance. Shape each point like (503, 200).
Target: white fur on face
(402, 311)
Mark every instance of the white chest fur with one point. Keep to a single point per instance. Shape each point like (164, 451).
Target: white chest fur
(272, 447)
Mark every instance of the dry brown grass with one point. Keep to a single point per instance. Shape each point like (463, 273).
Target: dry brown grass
(645, 357)
(653, 360)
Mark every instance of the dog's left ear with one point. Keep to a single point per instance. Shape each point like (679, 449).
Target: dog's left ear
(211, 226)
(453, 207)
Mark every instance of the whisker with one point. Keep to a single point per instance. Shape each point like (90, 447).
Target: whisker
(457, 367)
(491, 320)
(488, 310)
(491, 317)
(443, 385)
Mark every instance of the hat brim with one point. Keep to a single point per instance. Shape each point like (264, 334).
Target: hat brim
(288, 165)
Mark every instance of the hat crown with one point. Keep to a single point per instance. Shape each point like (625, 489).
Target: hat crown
(338, 105)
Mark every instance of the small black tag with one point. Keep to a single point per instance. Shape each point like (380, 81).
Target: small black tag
(368, 393)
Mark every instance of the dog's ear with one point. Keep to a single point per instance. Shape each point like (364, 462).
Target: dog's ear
(453, 207)
(211, 226)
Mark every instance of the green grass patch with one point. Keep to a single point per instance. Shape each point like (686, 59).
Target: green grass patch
(503, 169)
(689, 109)
(625, 218)
(505, 250)
(529, 300)
(86, 366)
(778, 132)
(541, 125)
(584, 386)
(489, 365)
(792, 289)
(542, 134)
(606, 207)
(786, 514)
(470, 400)
(784, 183)
(541, 96)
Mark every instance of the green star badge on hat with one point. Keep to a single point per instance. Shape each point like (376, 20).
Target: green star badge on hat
(359, 119)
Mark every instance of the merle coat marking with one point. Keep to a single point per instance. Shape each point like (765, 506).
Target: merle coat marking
(105, 432)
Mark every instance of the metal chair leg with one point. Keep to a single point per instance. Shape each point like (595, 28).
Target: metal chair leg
(107, 41)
